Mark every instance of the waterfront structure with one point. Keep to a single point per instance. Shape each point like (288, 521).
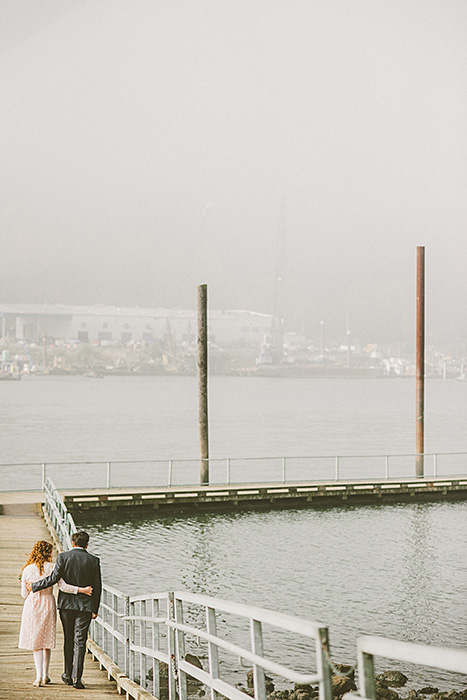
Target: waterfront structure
(114, 325)
(134, 637)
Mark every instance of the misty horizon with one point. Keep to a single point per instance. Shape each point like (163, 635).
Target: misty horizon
(149, 147)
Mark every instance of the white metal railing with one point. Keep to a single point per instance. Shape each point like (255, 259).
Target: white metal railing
(135, 639)
(232, 470)
(128, 630)
(61, 519)
(368, 647)
(139, 633)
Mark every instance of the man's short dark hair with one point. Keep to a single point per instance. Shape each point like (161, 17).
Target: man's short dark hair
(80, 539)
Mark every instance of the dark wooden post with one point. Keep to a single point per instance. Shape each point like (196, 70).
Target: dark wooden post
(203, 381)
(420, 371)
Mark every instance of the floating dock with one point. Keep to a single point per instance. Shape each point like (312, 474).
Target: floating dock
(265, 496)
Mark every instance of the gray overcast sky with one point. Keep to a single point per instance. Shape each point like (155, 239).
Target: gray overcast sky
(149, 146)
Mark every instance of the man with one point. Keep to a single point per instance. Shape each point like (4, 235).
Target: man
(78, 568)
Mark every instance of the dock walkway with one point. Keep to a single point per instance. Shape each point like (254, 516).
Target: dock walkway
(313, 494)
(18, 531)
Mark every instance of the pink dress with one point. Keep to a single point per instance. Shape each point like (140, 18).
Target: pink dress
(39, 617)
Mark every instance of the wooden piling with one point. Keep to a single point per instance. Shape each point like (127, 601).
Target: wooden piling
(420, 364)
(203, 382)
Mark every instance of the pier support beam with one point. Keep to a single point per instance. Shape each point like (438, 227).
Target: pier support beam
(420, 366)
(203, 381)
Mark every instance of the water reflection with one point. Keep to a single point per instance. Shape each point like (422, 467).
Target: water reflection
(395, 571)
(418, 586)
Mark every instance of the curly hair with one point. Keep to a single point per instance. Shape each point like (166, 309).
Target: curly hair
(41, 552)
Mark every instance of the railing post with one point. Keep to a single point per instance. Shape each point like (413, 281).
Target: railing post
(172, 670)
(108, 475)
(337, 468)
(213, 652)
(180, 651)
(170, 473)
(366, 674)
(115, 626)
(228, 471)
(155, 646)
(322, 653)
(142, 657)
(284, 470)
(105, 618)
(44, 469)
(435, 465)
(387, 466)
(256, 635)
(131, 639)
(126, 633)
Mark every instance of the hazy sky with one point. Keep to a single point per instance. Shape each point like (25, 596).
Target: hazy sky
(148, 146)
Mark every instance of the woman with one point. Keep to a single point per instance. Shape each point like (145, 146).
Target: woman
(39, 616)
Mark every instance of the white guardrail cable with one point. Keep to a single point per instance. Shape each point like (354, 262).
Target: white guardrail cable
(234, 470)
(138, 633)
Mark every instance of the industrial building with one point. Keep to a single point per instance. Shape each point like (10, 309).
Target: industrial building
(112, 325)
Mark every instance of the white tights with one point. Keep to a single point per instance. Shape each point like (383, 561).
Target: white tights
(41, 662)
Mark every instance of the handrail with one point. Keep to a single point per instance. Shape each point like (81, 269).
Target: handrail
(318, 467)
(368, 647)
(58, 513)
(223, 459)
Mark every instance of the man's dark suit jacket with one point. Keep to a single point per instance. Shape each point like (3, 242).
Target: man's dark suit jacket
(76, 567)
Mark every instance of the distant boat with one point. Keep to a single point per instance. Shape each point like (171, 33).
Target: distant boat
(6, 376)
(94, 375)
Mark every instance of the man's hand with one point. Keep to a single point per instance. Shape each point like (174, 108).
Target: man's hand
(28, 586)
(93, 615)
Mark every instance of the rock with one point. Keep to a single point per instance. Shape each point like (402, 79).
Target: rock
(394, 679)
(279, 695)
(299, 695)
(310, 691)
(345, 670)
(269, 684)
(428, 690)
(382, 691)
(192, 659)
(341, 685)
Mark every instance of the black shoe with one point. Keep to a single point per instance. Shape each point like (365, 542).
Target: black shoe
(77, 684)
(66, 679)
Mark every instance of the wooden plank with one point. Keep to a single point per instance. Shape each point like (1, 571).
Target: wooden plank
(17, 536)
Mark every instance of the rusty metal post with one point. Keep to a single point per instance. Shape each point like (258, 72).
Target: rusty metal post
(203, 381)
(420, 364)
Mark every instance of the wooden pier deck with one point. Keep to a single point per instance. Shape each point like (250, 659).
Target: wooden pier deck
(18, 531)
(265, 496)
(313, 494)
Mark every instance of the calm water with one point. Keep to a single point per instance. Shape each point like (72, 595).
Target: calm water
(46, 419)
(398, 571)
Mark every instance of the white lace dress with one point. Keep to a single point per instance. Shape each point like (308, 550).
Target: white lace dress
(39, 617)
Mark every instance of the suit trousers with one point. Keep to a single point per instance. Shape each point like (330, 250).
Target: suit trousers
(75, 630)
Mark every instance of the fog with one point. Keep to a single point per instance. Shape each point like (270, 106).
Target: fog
(150, 146)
